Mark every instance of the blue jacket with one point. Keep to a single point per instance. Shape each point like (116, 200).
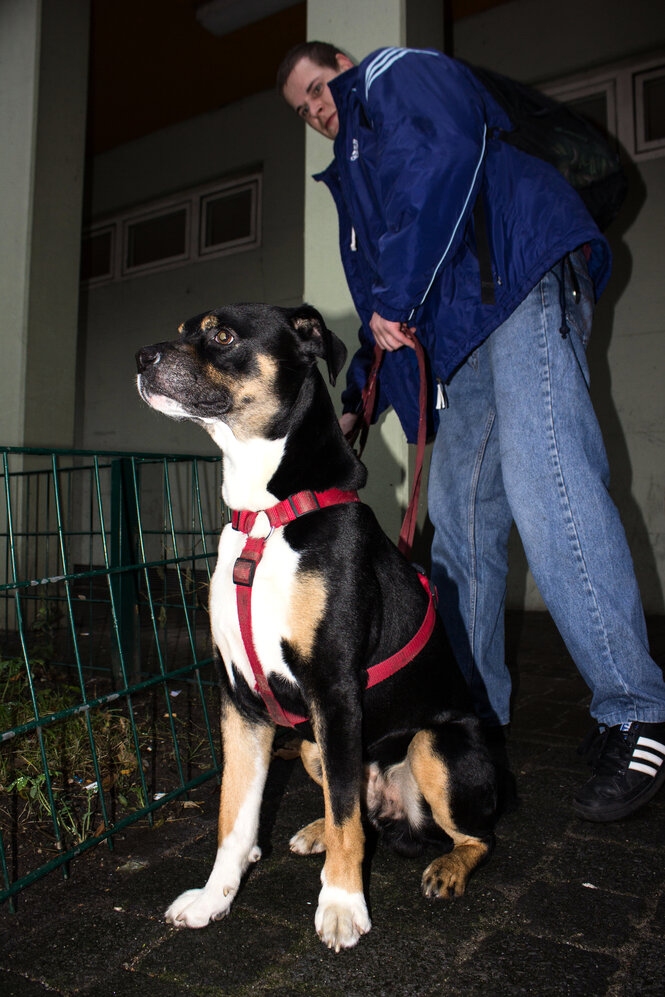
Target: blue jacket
(415, 146)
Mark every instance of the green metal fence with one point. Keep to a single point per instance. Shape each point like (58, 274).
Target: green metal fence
(108, 700)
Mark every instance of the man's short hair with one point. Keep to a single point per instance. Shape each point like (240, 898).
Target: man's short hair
(321, 54)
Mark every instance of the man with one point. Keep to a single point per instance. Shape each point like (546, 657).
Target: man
(417, 152)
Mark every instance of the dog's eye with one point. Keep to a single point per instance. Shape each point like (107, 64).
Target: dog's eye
(224, 337)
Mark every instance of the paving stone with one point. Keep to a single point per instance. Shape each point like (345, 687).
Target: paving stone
(128, 983)
(515, 963)
(622, 868)
(384, 963)
(659, 916)
(643, 973)
(150, 889)
(77, 949)
(580, 915)
(516, 859)
(12, 985)
(241, 949)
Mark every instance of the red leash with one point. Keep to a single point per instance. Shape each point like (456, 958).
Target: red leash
(244, 571)
(360, 432)
(405, 542)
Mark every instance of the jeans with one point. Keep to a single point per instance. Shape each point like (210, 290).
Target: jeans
(520, 441)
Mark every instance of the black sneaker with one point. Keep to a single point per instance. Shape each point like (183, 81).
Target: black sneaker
(628, 763)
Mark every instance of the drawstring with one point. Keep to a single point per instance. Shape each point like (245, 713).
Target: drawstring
(565, 328)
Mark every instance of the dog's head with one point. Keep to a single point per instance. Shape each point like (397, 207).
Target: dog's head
(242, 364)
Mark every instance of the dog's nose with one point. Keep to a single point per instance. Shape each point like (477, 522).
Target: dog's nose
(146, 357)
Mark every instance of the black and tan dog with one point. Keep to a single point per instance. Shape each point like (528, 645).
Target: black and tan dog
(331, 597)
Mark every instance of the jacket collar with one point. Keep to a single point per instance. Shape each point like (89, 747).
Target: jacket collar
(340, 86)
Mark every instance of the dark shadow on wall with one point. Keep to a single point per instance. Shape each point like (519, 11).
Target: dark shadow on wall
(621, 471)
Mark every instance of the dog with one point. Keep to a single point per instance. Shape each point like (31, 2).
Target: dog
(331, 598)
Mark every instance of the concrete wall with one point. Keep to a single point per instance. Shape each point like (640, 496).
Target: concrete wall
(43, 73)
(20, 76)
(536, 40)
(119, 317)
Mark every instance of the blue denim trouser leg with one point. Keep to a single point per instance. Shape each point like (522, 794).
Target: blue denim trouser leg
(520, 440)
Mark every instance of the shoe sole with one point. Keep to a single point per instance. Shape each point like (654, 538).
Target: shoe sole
(619, 811)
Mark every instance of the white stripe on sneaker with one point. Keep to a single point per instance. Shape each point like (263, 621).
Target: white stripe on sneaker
(647, 742)
(647, 769)
(648, 756)
(652, 760)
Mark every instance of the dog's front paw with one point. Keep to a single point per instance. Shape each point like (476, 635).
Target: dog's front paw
(341, 918)
(197, 908)
(310, 839)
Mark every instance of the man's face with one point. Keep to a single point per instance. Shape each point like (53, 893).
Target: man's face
(306, 90)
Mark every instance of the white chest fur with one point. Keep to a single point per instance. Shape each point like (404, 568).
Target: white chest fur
(271, 599)
(248, 467)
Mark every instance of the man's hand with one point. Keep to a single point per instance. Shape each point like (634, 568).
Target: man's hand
(391, 335)
(347, 421)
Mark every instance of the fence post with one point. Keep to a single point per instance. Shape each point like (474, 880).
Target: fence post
(124, 584)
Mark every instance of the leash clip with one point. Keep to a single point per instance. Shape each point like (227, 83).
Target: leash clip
(271, 527)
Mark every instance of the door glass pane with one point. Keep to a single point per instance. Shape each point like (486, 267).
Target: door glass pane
(228, 218)
(654, 109)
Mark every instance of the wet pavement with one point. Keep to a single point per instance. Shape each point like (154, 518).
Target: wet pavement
(563, 907)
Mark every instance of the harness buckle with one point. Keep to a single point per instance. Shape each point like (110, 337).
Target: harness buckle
(303, 502)
(244, 570)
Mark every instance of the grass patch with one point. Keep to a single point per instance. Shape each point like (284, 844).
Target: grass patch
(138, 757)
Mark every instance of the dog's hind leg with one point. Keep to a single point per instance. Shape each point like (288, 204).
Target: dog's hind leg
(311, 839)
(341, 916)
(458, 785)
(246, 758)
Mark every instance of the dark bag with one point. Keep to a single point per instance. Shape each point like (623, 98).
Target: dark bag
(549, 130)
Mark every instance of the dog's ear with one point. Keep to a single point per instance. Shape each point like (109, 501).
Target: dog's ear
(317, 339)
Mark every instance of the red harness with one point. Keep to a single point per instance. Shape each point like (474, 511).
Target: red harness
(244, 570)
